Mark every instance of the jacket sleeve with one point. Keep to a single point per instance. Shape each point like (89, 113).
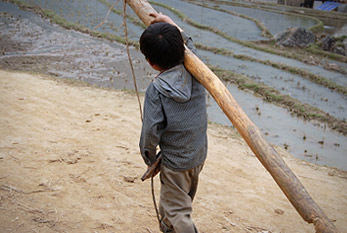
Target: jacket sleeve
(152, 126)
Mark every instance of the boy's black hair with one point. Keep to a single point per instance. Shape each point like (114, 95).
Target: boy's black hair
(162, 45)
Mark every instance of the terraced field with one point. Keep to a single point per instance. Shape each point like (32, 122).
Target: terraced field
(296, 97)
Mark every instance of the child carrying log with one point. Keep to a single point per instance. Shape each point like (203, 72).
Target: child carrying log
(175, 119)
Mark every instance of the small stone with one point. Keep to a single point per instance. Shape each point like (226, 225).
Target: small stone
(279, 211)
(129, 179)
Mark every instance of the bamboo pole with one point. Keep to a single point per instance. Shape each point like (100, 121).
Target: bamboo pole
(271, 160)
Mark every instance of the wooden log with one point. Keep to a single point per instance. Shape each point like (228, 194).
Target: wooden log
(271, 160)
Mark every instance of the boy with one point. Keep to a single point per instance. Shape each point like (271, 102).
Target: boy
(175, 119)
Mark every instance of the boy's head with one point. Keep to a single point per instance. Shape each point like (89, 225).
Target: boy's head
(162, 45)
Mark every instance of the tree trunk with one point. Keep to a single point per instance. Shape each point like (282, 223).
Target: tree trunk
(271, 160)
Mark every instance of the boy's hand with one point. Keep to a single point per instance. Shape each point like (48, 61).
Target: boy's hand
(156, 171)
(163, 18)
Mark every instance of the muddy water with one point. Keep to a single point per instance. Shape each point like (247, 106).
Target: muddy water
(211, 39)
(288, 84)
(332, 26)
(236, 26)
(70, 54)
(90, 14)
(274, 22)
(282, 129)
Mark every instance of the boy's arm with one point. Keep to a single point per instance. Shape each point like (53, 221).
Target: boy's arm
(152, 128)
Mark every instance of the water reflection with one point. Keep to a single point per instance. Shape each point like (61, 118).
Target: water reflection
(305, 140)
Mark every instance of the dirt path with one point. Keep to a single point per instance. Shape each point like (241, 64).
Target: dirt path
(69, 162)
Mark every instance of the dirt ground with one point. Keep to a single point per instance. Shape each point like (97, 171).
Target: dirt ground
(69, 162)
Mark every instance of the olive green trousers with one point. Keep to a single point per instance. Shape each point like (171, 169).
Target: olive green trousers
(177, 192)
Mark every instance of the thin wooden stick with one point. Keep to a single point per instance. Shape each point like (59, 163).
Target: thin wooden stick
(109, 11)
(154, 201)
(138, 98)
(130, 61)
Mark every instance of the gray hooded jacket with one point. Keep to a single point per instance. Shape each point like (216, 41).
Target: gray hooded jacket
(175, 119)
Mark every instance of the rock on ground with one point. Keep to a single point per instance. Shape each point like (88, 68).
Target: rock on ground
(295, 37)
(332, 44)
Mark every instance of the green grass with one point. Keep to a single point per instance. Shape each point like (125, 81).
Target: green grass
(252, 86)
(318, 28)
(314, 49)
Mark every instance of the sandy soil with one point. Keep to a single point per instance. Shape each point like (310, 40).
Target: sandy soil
(70, 162)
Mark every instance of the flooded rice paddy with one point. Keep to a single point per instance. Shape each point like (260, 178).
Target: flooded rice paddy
(212, 39)
(288, 84)
(280, 129)
(275, 22)
(70, 54)
(332, 25)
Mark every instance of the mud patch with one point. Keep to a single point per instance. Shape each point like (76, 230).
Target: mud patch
(8, 45)
(39, 64)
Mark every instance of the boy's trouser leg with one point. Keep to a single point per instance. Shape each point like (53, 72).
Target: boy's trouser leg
(176, 196)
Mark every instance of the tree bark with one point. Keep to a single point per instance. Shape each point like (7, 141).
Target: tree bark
(271, 160)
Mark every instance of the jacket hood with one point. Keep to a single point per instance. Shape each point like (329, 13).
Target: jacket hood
(175, 83)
